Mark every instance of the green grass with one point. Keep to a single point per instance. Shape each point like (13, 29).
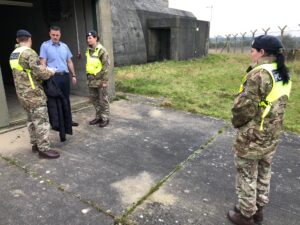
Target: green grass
(206, 86)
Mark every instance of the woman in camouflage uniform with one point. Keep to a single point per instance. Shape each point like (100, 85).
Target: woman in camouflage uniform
(258, 114)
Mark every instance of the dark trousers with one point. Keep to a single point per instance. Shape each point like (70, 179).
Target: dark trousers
(63, 83)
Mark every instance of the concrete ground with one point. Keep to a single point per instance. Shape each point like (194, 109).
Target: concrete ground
(150, 166)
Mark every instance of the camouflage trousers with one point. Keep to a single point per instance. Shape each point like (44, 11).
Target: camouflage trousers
(99, 98)
(39, 127)
(253, 182)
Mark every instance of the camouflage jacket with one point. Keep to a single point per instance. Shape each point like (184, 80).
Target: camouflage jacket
(30, 98)
(250, 141)
(95, 81)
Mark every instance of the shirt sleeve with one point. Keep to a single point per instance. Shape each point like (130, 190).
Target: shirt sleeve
(104, 58)
(246, 103)
(39, 72)
(43, 52)
(69, 53)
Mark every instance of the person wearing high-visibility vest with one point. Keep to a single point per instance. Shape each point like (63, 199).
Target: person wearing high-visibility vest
(97, 70)
(28, 75)
(258, 114)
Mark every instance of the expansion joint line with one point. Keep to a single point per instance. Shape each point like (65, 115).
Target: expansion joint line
(177, 168)
(62, 188)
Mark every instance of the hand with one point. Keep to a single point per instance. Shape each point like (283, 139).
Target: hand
(74, 81)
(52, 70)
(104, 84)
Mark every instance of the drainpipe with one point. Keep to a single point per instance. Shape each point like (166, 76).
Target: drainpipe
(76, 29)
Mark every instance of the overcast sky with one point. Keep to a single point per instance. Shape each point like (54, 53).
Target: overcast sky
(239, 16)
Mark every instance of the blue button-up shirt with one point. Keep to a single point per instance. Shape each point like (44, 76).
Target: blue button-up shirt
(56, 55)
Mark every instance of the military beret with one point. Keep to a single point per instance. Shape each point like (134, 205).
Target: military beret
(91, 33)
(267, 42)
(23, 33)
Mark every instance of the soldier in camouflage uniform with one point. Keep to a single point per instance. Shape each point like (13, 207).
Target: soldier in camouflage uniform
(97, 69)
(28, 75)
(258, 113)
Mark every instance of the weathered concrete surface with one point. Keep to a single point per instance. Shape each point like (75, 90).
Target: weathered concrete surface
(110, 169)
(27, 199)
(204, 189)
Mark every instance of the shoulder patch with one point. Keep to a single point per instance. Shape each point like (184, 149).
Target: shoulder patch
(276, 75)
(14, 55)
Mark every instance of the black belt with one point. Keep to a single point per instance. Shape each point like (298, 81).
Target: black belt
(60, 73)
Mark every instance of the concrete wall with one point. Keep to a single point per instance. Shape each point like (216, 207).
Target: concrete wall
(104, 24)
(128, 37)
(4, 118)
(135, 20)
(153, 5)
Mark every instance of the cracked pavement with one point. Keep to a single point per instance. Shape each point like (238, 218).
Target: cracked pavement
(151, 165)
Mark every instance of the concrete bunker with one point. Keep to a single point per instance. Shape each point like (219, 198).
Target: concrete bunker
(74, 17)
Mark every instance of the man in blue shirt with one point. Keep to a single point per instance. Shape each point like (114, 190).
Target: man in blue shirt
(57, 55)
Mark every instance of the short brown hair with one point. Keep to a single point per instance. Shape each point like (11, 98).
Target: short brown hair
(22, 39)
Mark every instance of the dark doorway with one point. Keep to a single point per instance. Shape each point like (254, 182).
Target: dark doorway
(13, 18)
(159, 44)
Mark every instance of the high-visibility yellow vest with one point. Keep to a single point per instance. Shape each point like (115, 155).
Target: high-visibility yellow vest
(14, 63)
(278, 90)
(93, 63)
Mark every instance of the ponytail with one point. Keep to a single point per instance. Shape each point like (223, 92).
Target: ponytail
(282, 69)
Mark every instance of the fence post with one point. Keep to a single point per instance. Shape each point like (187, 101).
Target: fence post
(228, 42)
(253, 34)
(234, 37)
(282, 32)
(266, 30)
(243, 39)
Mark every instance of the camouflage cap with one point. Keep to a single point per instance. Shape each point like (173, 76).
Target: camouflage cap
(23, 33)
(267, 42)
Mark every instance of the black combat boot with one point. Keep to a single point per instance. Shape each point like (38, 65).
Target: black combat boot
(35, 148)
(257, 217)
(104, 123)
(239, 218)
(95, 121)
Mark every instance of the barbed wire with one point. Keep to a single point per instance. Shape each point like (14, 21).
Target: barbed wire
(239, 42)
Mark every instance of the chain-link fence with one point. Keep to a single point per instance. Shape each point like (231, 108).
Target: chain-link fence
(241, 42)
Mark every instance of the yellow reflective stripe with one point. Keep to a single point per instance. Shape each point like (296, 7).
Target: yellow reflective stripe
(265, 113)
(14, 64)
(242, 85)
(30, 79)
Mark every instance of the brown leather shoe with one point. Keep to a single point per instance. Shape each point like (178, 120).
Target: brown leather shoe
(104, 123)
(239, 219)
(49, 154)
(95, 121)
(257, 217)
(34, 148)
